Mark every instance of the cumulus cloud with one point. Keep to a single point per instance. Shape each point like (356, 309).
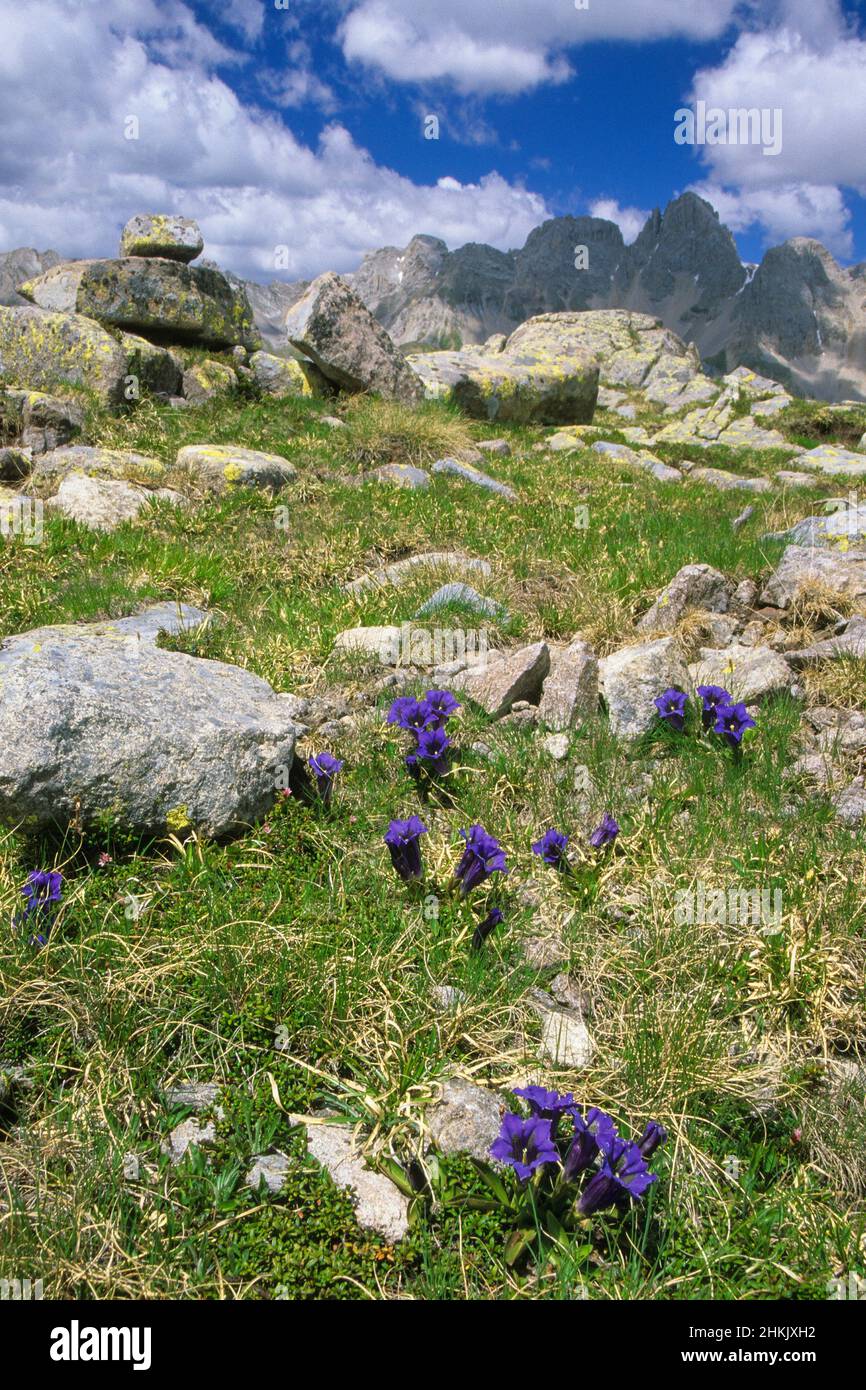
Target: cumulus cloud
(511, 46)
(629, 220)
(811, 66)
(69, 178)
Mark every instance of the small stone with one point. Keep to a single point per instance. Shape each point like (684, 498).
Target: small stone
(500, 447)
(851, 804)
(565, 1038)
(556, 745)
(401, 474)
(694, 586)
(474, 475)
(466, 1119)
(570, 693)
(274, 1168)
(220, 466)
(205, 380)
(843, 572)
(401, 570)
(464, 595)
(163, 235)
(447, 998)
(506, 678)
(191, 1095)
(189, 1134)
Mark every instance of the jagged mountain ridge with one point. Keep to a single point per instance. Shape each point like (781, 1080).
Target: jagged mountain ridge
(798, 317)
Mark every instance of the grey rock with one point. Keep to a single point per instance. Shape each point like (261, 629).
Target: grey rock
(41, 421)
(565, 1038)
(475, 476)
(219, 466)
(851, 642)
(379, 1205)
(382, 642)
(829, 458)
(274, 1168)
(846, 524)
(570, 694)
(631, 680)
(817, 768)
(286, 376)
(205, 380)
(792, 478)
(506, 678)
(189, 1134)
(401, 475)
(740, 521)
(191, 1095)
(160, 234)
(843, 572)
(394, 575)
(839, 731)
(851, 804)
(39, 349)
(749, 673)
(95, 462)
(745, 594)
(727, 482)
(107, 723)
(332, 327)
(447, 998)
(501, 447)
(104, 503)
(556, 746)
(462, 594)
(694, 586)
(14, 463)
(466, 1119)
(153, 368)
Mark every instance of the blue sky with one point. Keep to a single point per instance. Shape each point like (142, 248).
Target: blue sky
(294, 129)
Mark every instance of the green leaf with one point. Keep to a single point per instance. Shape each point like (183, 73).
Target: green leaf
(518, 1243)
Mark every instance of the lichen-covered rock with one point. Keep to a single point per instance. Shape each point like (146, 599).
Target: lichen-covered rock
(108, 725)
(539, 378)
(843, 572)
(829, 458)
(220, 466)
(725, 481)
(163, 235)
(632, 679)
(98, 463)
(335, 330)
(749, 673)
(401, 475)
(150, 367)
(40, 349)
(186, 303)
(694, 586)
(204, 380)
(465, 1119)
(430, 562)
(104, 503)
(40, 421)
(286, 376)
(14, 463)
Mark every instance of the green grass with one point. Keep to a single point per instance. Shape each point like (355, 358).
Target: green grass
(292, 968)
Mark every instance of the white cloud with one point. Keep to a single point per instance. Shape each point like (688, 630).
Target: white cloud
(629, 220)
(797, 210)
(69, 179)
(509, 46)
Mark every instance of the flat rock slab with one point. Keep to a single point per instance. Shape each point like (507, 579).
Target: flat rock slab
(839, 731)
(694, 586)
(466, 596)
(38, 349)
(847, 525)
(333, 328)
(505, 678)
(104, 503)
(749, 673)
(162, 234)
(380, 1205)
(401, 475)
(633, 678)
(432, 562)
(475, 476)
(221, 466)
(465, 1120)
(205, 380)
(108, 724)
(843, 572)
(829, 458)
(191, 1095)
(154, 297)
(849, 643)
(98, 463)
(729, 482)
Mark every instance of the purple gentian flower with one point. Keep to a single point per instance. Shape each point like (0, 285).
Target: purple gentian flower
(397, 712)
(551, 848)
(653, 1137)
(42, 893)
(433, 745)
(324, 768)
(606, 833)
(623, 1174)
(483, 930)
(711, 697)
(589, 1131)
(547, 1105)
(672, 709)
(441, 704)
(482, 856)
(411, 714)
(402, 838)
(732, 721)
(524, 1145)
